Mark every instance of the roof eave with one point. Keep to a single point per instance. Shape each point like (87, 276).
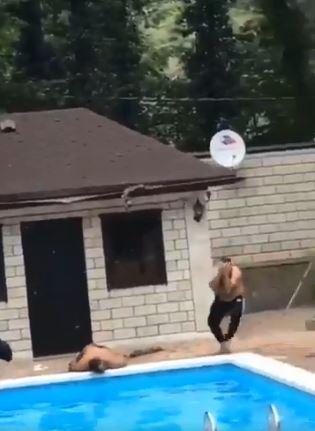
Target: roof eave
(63, 197)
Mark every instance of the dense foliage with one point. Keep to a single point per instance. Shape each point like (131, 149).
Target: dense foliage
(170, 68)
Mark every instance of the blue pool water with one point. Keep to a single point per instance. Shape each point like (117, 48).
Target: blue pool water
(162, 401)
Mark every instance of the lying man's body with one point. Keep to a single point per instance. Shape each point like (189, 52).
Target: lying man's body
(98, 358)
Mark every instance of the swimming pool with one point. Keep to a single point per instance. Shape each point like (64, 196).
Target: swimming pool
(167, 396)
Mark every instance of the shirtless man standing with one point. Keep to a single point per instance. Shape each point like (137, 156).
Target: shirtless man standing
(229, 292)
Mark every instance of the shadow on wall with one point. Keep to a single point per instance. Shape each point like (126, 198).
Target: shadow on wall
(270, 287)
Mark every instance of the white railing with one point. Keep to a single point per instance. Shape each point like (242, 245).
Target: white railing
(274, 422)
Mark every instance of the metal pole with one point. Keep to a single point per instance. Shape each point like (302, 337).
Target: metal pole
(295, 293)
(209, 422)
(274, 423)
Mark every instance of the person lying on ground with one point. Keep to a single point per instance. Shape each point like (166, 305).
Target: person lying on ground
(98, 358)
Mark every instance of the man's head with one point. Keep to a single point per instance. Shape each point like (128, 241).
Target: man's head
(225, 264)
(226, 259)
(96, 365)
(5, 351)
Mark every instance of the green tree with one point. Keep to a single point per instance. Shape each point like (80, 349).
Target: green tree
(290, 33)
(102, 53)
(79, 53)
(32, 53)
(34, 66)
(124, 62)
(261, 76)
(8, 35)
(212, 67)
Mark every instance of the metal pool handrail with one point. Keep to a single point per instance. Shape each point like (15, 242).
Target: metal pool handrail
(274, 422)
(209, 422)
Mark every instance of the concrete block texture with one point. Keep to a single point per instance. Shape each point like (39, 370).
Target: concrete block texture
(270, 215)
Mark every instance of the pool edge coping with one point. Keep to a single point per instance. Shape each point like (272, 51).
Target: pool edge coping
(268, 367)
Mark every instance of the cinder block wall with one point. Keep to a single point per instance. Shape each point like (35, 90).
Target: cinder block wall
(142, 311)
(270, 216)
(118, 314)
(14, 322)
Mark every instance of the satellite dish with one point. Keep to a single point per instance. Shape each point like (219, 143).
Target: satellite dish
(227, 148)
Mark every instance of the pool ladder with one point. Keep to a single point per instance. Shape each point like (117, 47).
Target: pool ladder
(274, 423)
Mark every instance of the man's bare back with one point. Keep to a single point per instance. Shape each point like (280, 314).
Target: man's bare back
(102, 357)
(228, 283)
(229, 290)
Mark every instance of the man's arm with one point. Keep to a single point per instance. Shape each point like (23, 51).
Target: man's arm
(227, 282)
(216, 281)
(213, 284)
(236, 276)
(228, 278)
(75, 364)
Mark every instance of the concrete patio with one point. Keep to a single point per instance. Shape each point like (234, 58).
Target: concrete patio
(278, 334)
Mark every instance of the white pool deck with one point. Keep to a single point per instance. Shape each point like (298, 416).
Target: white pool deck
(268, 367)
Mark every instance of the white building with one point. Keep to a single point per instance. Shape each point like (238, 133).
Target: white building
(104, 234)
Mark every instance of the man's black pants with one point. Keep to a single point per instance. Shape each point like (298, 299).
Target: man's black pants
(221, 309)
(5, 351)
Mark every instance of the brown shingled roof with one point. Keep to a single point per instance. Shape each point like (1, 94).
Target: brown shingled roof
(76, 152)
